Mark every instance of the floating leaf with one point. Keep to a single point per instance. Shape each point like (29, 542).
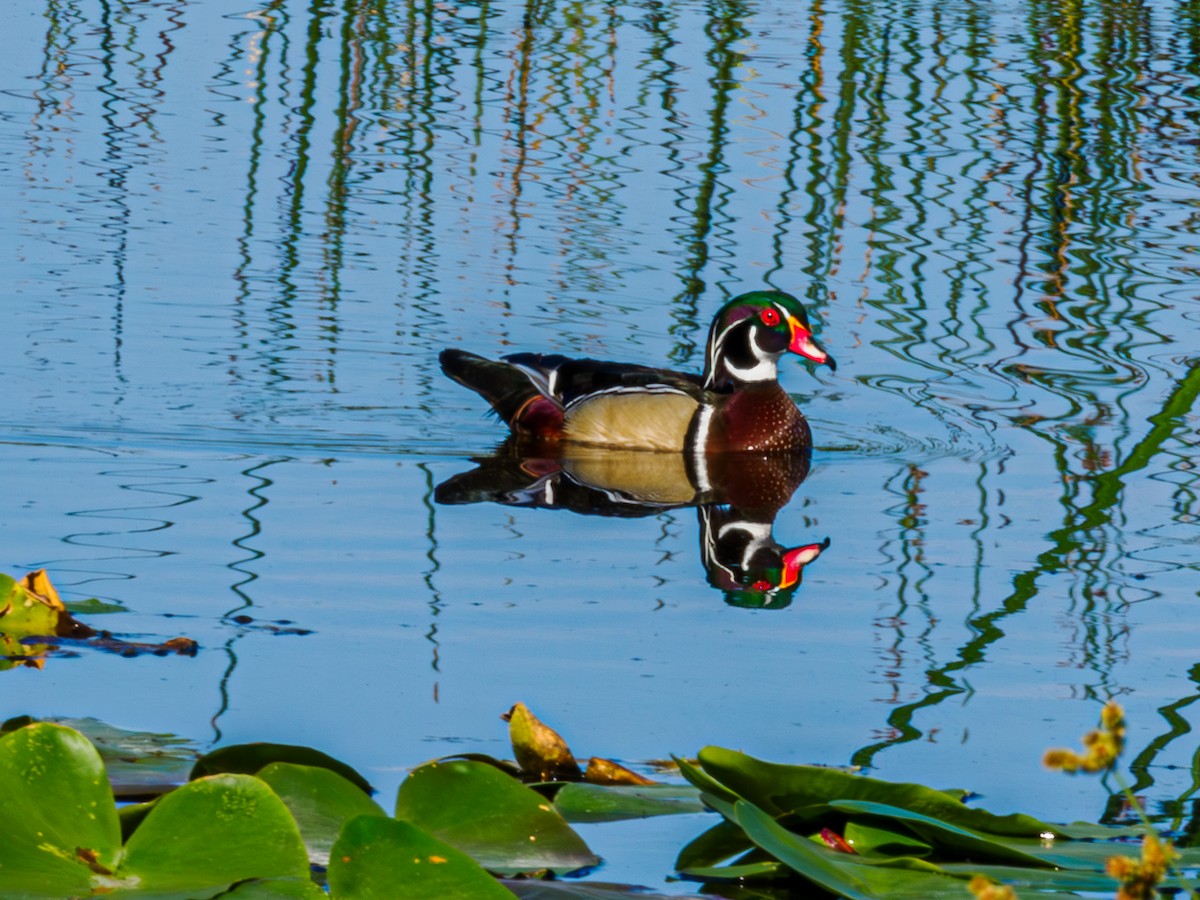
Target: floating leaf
(970, 844)
(503, 765)
(705, 782)
(139, 763)
(1040, 879)
(605, 771)
(103, 640)
(538, 748)
(580, 802)
(873, 840)
(723, 841)
(32, 607)
(321, 802)
(377, 857)
(503, 824)
(58, 822)
(740, 872)
(844, 874)
(212, 833)
(37, 584)
(60, 835)
(248, 759)
(1083, 831)
(93, 606)
(806, 791)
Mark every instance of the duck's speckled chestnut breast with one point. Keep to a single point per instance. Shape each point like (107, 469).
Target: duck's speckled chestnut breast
(759, 418)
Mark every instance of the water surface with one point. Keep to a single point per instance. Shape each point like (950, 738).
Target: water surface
(237, 238)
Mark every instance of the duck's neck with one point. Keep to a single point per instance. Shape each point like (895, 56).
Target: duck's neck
(733, 360)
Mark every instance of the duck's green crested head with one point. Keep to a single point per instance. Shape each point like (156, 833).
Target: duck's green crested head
(751, 332)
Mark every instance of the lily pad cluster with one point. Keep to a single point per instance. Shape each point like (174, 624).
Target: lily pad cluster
(261, 821)
(863, 838)
(276, 820)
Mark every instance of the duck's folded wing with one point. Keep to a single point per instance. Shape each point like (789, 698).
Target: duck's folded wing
(569, 380)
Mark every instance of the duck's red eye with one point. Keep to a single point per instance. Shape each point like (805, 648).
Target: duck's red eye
(762, 585)
(770, 316)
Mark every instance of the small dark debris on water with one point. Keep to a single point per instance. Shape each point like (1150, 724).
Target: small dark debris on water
(279, 626)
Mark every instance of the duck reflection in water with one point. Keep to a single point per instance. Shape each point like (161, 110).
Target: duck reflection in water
(736, 512)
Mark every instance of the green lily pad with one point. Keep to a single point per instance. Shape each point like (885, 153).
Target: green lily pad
(60, 834)
(765, 870)
(139, 763)
(1083, 831)
(581, 802)
(999, 849)
(1039, 880)
(93, 607)
(703, 781)
(723, 841)
(873, 840)
(503, 765)
(58, 822)
(500, 822)
(844, 874)
(212, 833)
(964, 842)
(806, 791)
(377, 858)
(321, 801)
(248, 759)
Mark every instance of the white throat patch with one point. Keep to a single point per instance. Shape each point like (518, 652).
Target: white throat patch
(766, 369)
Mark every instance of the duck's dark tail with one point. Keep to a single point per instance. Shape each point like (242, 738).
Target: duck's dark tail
(519, 394)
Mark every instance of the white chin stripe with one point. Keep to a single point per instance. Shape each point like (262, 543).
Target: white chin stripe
(759, 534)
(763, 370)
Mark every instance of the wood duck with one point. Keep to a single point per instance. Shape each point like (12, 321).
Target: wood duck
(737, 405)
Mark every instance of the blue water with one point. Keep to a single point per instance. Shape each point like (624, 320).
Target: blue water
(237, 239)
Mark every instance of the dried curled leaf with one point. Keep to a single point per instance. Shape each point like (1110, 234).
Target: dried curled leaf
(605, 771)
(38, 584)
(538, 748)
(32, 606)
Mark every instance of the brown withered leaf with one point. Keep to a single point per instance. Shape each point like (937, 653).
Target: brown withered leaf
(38, 584)
(178, 646)
(32, 615)
(605, 771)
(539, 750)
(33, 607)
